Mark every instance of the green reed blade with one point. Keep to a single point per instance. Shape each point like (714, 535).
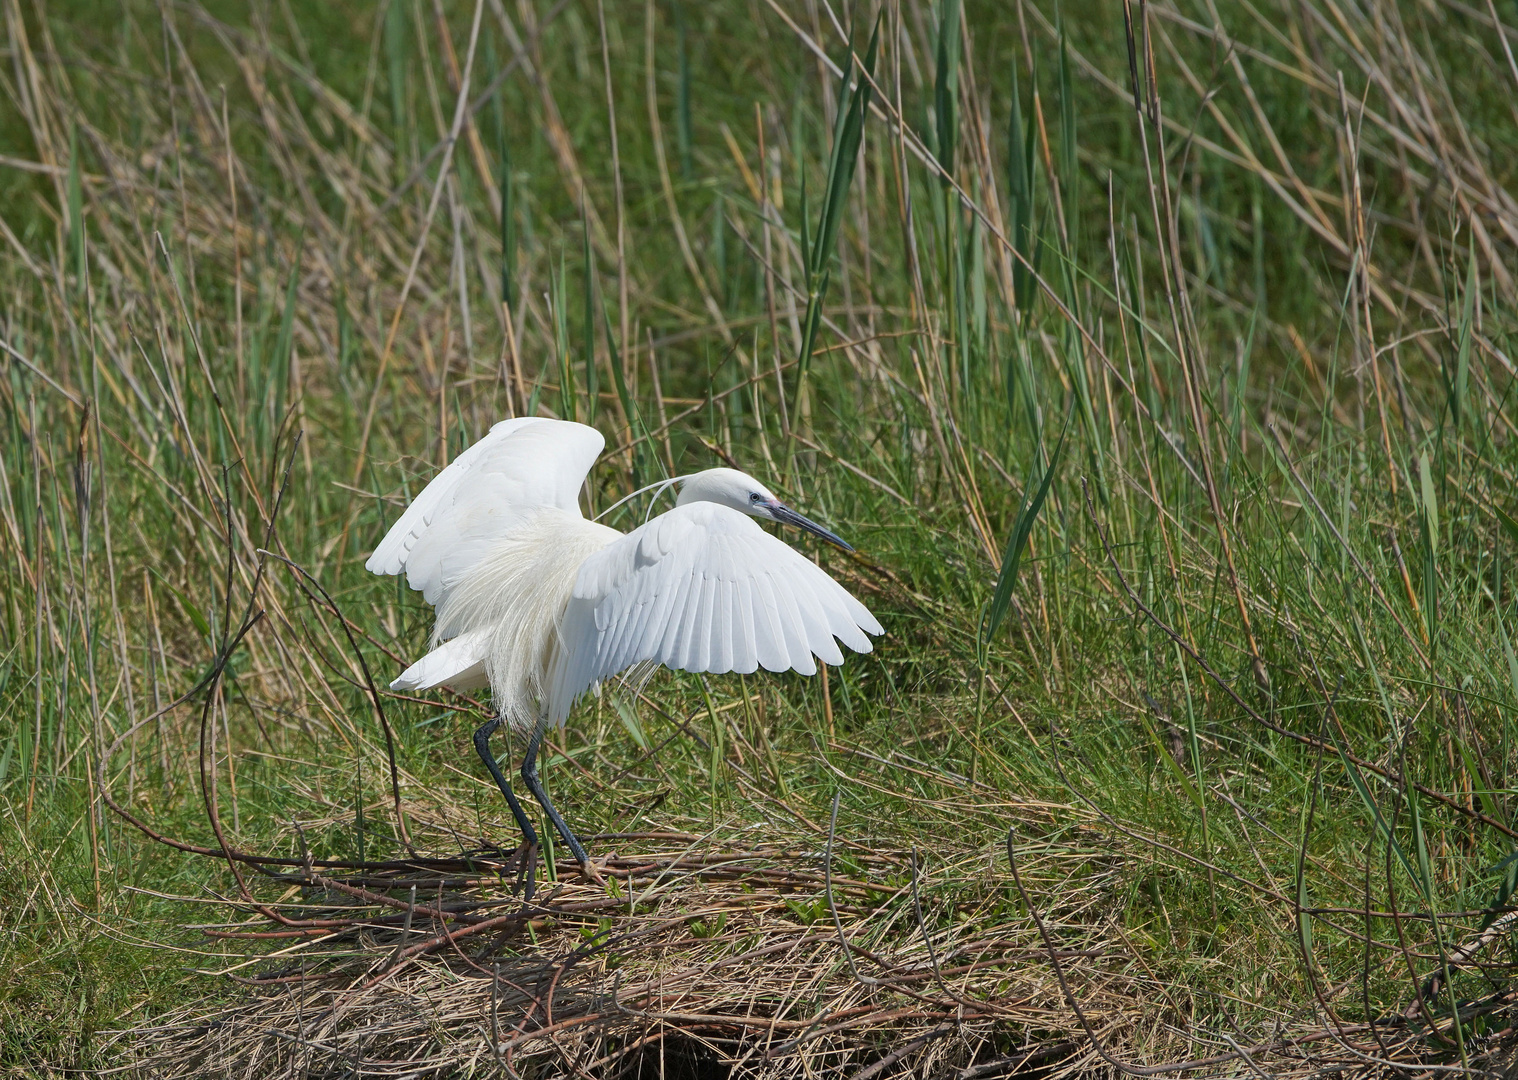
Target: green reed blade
(1463, 338)
(75, 191)
(853, 107)
(1021, 177)
(592, 374)
(1027, 515)
(395, 54)
(682, 101)
(1069, 165)
(946, 89)
(284, 343)
(639, 430)
(505, 186)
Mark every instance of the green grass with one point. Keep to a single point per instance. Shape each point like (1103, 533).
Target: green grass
(1302, 457)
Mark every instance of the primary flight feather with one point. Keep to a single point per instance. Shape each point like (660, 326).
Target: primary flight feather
(542, 605)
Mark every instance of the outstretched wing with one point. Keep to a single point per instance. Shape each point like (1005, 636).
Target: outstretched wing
(702, 588)
(521, 466)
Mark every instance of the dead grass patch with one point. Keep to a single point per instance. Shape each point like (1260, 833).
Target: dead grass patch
(715, 954)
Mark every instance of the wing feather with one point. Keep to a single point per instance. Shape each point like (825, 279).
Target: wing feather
(819, 629)
(770, 637)
(390, 554)
(671, 624)
(698, 646)
(520, 467)
(836, 615)
(702, 588)
(722, 615)
(797, 633)
(745, 652)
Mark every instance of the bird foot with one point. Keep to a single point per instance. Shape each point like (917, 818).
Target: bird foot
(590, 873)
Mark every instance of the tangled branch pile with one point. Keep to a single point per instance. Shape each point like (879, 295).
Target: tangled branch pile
(699, 960)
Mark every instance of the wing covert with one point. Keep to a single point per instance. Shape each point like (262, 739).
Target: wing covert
(702, 588)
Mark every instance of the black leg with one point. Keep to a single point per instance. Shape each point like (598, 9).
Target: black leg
(529, 834)
(534, 785)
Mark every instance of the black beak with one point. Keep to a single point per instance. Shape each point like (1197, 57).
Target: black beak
(785, 514)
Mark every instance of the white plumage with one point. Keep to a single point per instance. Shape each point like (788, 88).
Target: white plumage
(542, 605)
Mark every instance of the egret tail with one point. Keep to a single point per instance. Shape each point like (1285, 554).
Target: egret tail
(459, 664)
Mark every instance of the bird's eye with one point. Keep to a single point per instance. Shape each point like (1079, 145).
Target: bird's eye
(753, 497)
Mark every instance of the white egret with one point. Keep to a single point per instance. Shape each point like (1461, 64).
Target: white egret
(541, 604)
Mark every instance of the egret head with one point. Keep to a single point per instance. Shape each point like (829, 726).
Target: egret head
(731, 488)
